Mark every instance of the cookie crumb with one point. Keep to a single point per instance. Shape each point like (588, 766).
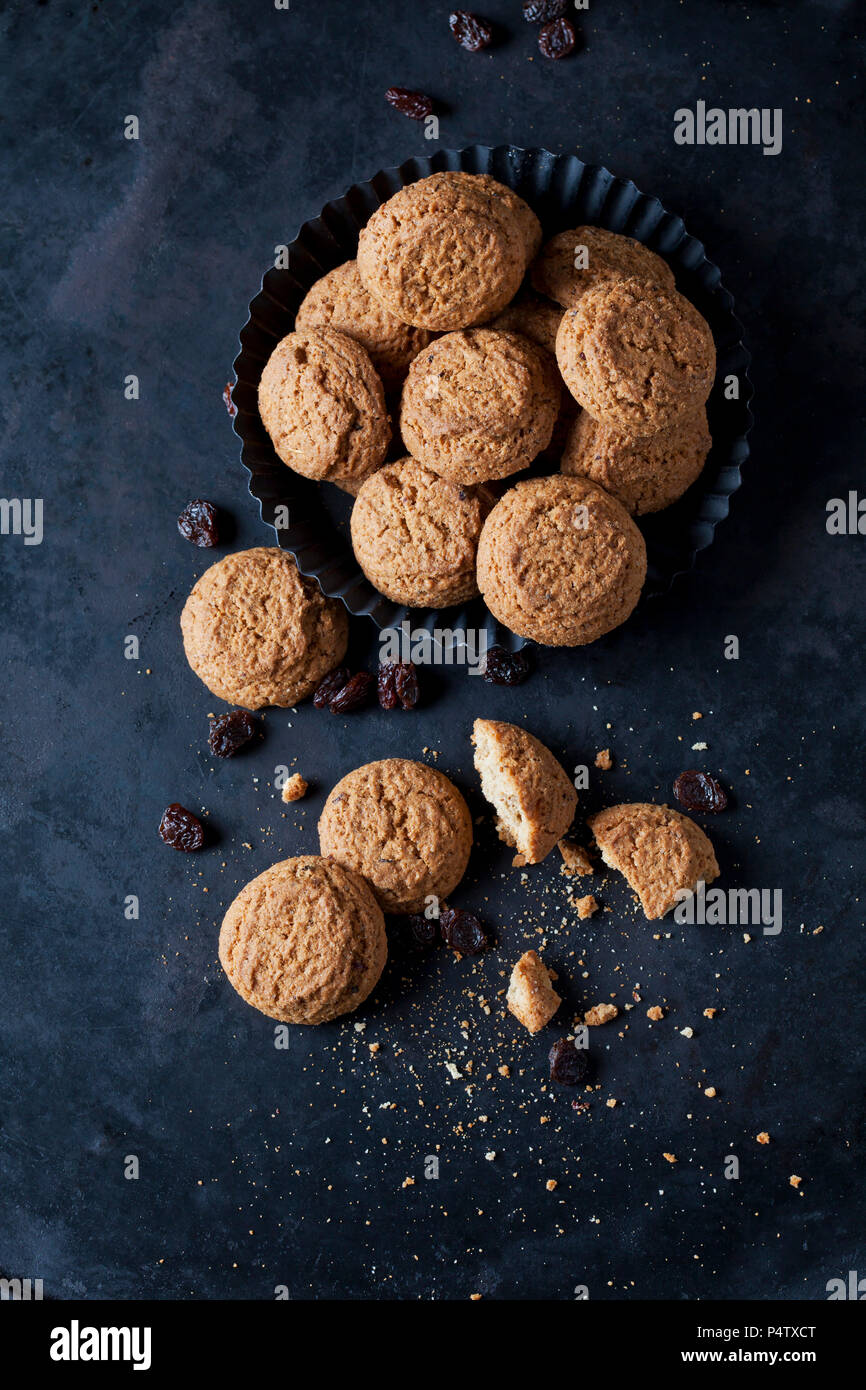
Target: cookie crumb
(551, 1184)
(603, 760)
(670, 1158)
(709, 1091)
(763, 1137)
(710, 1013)
(576, 861)
(600, 1013)
(584, 907)
(795, 1180)
(655, 1012)
(295, 788)
(611, 1103)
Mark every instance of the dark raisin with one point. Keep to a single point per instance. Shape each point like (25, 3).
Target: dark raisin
(568, 1064)
(542, 11)
(198, 522)
(414, 104)
(462, 932)
(698, 791)
(470, 31)
(180, 828)
(229, 732)
(505, 668)
(406, 683)
(387, 685)
(354, 694)
(227, 399)
(424, 930)
(557, 39)
(332, 683)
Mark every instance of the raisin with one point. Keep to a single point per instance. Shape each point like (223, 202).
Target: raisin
(462, 932)
(505, 668)
(424, 930)
(330, 685)
(416, 105)
(354, 694)
(542, 11)
(557, 39)
(406, 683)
(198, 522)
(229, 732)
(180, 828)
(470, 31)
(227, 399)
(698, 791)
(387, 685)
(568, 1064)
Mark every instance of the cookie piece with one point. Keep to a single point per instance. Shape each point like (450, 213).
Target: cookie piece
(305, 941)
(402, 825)
(415, 534)
(560, 561)
(635, 356)
(479, 405)
(607, 254)
(322, 403)
(644, 472)
(658, 850)
(258, 633)
(532, 794)
(448, 251)
(533, 316)
(531, 997)
(340, 301)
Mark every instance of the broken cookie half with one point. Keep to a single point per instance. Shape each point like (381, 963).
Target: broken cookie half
(531, 793)
(659, 851)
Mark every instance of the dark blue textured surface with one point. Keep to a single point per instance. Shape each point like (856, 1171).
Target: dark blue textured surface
(261, 1167)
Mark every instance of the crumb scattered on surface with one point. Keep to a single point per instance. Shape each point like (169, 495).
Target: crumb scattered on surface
(710, 1013)
(655, 1012)
(584, 907)
(795, 1180)
(295, 788)
(551, 1184)
(763, 1137)
(600, 1013)
(576, 860)
(604, 760)
(670, 1158)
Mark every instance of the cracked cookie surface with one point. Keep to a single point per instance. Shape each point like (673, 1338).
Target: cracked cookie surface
(644, 472)
(258, 633)
(560, 561)
(304, 941)
(608, 254)
(323, 404)
(635, 356)
(404, 826)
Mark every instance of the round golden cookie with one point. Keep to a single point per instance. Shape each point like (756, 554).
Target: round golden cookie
(658, 850)
(415, 534)
(533, 316)
(635, 356)
(305, 941)
(258, 633)
(322, 403)
(402, 825)
(607, 254)
(560, 561)
(340, 301)
(644, 472)
(479, 404)
(448, 251)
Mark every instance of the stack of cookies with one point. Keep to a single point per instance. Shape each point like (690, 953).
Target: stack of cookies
(455, 322)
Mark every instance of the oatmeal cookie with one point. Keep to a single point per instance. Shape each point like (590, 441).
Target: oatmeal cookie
(322, 403)
(644, 472)
(560, 561)
(608, 254)
(305, 941)
(258, 633)
(532, 794)
(658, 850)
(415, 534)
(402, 825)
(448, 251)
(340, 301)
(533, 316)
(637, 357)
(479, 405)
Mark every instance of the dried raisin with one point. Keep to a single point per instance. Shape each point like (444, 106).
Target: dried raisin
(198, 522)
(354, 694)
(568, 1064)
(229, 732)
(397, 685)
(180, 828)
(505, 668)
(417, 105)
(424, 930)
(470, 31)
(542, 11)
(557, 39)
(698, 791)
(330, 685)
(462, 932)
